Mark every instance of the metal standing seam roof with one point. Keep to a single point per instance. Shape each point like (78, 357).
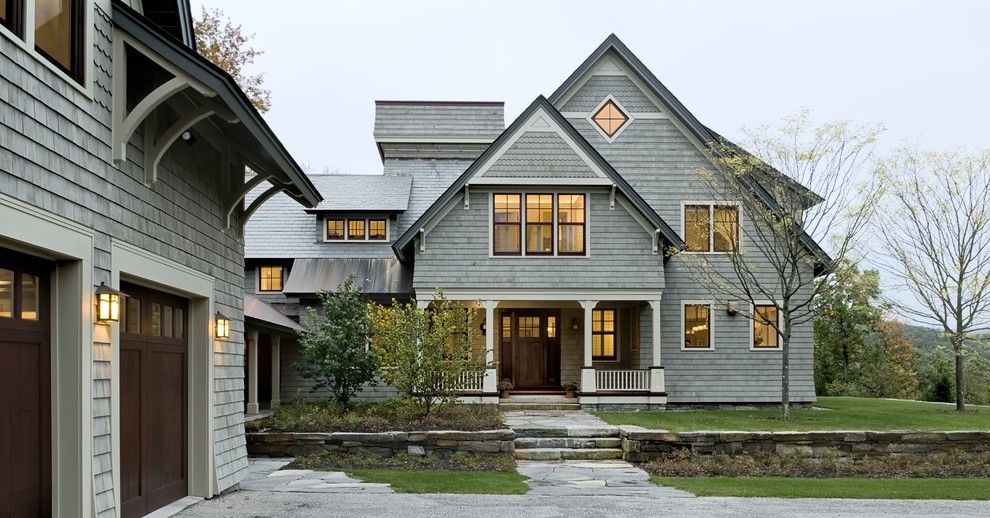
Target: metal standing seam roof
(256, 309)
(383, 275)
(356, 192)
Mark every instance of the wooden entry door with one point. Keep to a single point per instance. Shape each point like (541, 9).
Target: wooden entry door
(25, 385)
(534, 342)
(153, 409)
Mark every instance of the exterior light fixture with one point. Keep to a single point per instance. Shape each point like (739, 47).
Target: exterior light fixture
(483, 328)
(222, 326)
(107, 304)
(575, 325)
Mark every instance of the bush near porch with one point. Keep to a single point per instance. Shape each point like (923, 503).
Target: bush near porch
(391, 415)
(829, 413)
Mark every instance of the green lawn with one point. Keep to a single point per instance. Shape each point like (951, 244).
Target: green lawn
(831, 413)
(446, 481)
(898, 488)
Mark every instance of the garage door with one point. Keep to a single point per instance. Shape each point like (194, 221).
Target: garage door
(25, 399)
(153, 347)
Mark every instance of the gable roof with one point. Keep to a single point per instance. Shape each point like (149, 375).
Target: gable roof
(541, 103)
(714, 142)
(362, 192)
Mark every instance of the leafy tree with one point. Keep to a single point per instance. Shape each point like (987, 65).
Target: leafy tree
(228, 47)
(936, 231)
(800, 181)
(935, 376)
(886, 364)
(334, 351)
(424, 352)
(978, 379)
(848, 310)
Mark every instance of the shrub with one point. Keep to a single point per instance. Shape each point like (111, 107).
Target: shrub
(424, 352)
(394, 414)
(334, 351)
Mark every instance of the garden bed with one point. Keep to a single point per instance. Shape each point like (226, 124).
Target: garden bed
(459, 461)
(327, 416)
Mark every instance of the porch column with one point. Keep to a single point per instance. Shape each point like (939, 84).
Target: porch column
(657, 381)
(252, 363)
(588, 383)
(489, 384)
(276, 371)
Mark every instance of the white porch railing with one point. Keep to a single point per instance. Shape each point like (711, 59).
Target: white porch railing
(622, 380)
(470, 381)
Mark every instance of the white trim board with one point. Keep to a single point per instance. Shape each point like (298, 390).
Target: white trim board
(604, 294)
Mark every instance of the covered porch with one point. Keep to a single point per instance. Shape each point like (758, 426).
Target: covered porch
(602, 341)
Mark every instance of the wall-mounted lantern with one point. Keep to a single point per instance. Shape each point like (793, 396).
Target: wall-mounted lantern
(575, 324)
(483, 328)
(107, 304)
(222, 326)
(732, 308)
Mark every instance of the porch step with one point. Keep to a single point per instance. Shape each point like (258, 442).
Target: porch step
(570, 432)
(538, 402)
(567, 453)
(574, 443)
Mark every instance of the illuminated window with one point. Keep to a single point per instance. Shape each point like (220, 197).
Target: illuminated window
(765, 322)
(603, 334)
(539, 224)
(6, 293)
(355, 229)
(505, 222)
(551, 326)
(335, 229)
(570, 224)
(270, 278)
(725, 235)
(711, 228)
(610, 118)
(377, 230)
(58, 33)
(697, 326)
(697, 226)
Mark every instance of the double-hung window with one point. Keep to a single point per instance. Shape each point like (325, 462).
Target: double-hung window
(765, 324)
(709, 228)
(58, 31)
(697, 326)
(603, 334)
(550, 224)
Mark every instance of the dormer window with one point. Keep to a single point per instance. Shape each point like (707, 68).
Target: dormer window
(610, 118)
(335, 229)
(356, 229)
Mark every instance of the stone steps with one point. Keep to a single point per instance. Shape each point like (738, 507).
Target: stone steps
(567, 453)
(529, 443)
(581, 432)
(511, 407)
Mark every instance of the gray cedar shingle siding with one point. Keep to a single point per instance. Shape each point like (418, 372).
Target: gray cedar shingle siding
(457, 253)
(621, 88)
(543, 154)
(659, 161)
(398, 119)
(430, 178)
(55, 155)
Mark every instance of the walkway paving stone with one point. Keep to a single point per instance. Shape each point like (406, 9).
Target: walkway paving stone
(591, 478)
(268, 475)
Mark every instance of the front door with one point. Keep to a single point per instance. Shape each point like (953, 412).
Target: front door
(153, 348)
(25, 385)
(535, 348)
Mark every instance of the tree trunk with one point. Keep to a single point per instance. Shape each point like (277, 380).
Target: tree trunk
(957, 346)
(785, 368)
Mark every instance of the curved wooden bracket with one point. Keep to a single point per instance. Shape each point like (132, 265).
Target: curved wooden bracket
(154, 154)
(124, 127)
(256, 204)
(238, 195)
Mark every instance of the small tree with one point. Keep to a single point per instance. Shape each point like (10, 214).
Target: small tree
(334, 351)
(226, 45)
(800, 183)
(886, 366)
(425, 352)
(936, 234)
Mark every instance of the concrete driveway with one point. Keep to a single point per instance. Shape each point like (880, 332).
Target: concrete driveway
(289, 504)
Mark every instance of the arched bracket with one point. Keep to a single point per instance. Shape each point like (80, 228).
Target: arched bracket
(231, 204)
(261, 199)
(153, 154)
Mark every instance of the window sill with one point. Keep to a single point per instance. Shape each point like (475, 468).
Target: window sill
(766, 349)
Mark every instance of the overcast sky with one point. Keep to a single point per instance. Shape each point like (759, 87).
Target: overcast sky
(921, 68)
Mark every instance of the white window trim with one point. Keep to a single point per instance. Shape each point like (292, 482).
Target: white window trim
(590, 118)
(367, 230)
(711, 324)
(260, 268)
(711, 225)
(27, 45)
(522, 224)
(752, 324)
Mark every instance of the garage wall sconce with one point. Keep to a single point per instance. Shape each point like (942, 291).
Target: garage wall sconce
(108, 304)
(222, 326)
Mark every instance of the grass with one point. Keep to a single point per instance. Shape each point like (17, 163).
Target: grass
(899, 488)
(446, 481)
(830, 413)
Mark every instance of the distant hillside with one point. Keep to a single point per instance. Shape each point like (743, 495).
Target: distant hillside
(926, 338)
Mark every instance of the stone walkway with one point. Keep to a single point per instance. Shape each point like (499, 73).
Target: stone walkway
(268, 475)
(554, 419)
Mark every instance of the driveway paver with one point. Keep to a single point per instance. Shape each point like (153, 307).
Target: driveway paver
(268, 475)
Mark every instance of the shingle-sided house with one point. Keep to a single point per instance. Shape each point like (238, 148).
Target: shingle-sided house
(555, 229)
(122, 169)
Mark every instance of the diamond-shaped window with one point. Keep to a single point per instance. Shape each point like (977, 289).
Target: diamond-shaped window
(610, 118)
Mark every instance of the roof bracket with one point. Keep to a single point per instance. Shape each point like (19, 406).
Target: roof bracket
(422, 240)
(611, 198)
(124, 123)
(467, 196)
(154, 153)
(235, 198)
(656, 241)
(261, 199)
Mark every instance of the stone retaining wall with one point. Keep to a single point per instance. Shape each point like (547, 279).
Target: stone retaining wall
(441, 442)
(640, 444)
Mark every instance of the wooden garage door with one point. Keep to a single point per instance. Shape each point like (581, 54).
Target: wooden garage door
(25, 391)
(153, 347)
